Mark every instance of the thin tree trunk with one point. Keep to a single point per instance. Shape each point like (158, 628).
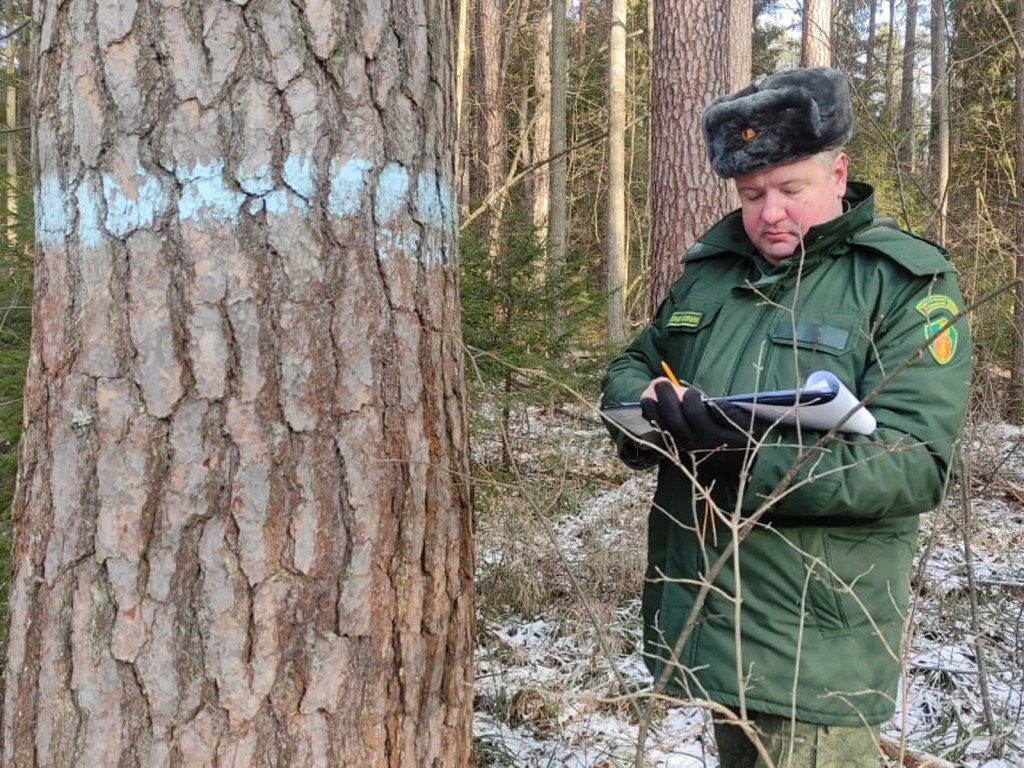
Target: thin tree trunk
(890, 54)
(488, 177)
(242, 518)
(816, 37)
(12, 180)
(556, 222)
(905, 128)
(690, 68)
(581, 32)
(615, 236)
(540, 184)
(1018, 308)
(869, 69)
(939, 151)
(463, 111)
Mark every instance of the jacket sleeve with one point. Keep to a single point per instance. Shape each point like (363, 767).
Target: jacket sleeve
(625, 380)
(902, 468)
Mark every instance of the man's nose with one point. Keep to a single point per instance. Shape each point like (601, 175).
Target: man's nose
(774, 209)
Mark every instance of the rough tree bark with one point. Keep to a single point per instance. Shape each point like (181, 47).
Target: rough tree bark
(816, 34)
(243, 530)
(691, 66)
(741, 44)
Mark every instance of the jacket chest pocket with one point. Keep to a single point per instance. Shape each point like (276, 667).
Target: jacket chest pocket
(829, 341)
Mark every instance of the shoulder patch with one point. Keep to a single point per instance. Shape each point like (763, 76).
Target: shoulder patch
(917, 255)
(939, 310)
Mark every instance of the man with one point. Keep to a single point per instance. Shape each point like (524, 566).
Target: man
(800, 632)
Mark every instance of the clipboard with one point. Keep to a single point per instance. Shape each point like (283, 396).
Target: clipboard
(819, 404)
(823, 390)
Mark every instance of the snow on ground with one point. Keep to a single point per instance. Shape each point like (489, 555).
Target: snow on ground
(558, 670)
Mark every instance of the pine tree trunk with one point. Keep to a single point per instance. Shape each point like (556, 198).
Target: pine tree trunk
(581, 32)
(939, 151)
(890, 54)
(540, 180)
(816, 37)
(243, 528)
(1017, 373)
(905, 128)
(463, 109)
(690, 67)
(615, 236)
(741, 43)
(488, 175)
(869, 67)
(559, 73)
(11, 171)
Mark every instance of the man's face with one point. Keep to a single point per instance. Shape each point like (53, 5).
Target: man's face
(782, 202)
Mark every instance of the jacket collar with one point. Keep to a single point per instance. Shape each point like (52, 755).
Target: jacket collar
(727, 236)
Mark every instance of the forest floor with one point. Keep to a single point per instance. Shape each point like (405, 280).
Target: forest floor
(561, 538)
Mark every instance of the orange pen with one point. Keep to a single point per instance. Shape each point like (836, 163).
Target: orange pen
(668, 372)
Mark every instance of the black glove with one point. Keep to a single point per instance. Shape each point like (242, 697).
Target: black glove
(699, 427)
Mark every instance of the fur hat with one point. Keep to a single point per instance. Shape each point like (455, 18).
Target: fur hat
(781, 118)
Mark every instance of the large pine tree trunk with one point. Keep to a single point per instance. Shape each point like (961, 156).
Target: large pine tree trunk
(243, 531)
(691, 66)
(741, 42)
(816, 34)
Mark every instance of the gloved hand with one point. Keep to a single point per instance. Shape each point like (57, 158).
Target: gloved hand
(696, 426)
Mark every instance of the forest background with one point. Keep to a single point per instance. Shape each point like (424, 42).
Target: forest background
(938, 91)
(561, 252)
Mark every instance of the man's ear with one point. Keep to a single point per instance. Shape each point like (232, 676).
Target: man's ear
(839, 169)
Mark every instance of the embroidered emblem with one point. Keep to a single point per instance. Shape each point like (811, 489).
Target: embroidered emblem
(685, 318)
(943, 346)
(749, 134)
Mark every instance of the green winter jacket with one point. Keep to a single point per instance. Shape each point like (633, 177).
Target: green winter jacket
(824, 575)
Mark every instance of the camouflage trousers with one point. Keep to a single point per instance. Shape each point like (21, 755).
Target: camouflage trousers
(805, 745)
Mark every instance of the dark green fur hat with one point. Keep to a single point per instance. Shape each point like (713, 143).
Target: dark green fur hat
(781, 118)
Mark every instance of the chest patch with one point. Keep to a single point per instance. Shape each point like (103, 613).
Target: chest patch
(685, 318)
(938, 309)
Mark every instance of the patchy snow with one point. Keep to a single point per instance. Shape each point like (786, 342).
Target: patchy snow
(560, 558)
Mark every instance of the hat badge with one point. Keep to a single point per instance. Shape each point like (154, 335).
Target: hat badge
(748, 134)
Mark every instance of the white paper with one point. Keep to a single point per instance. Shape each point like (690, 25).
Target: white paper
(820, 416)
